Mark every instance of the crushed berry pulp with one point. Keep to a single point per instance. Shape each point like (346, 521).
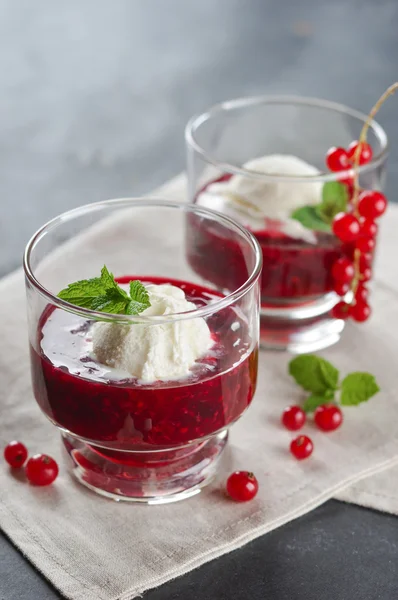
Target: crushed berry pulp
(85, 399)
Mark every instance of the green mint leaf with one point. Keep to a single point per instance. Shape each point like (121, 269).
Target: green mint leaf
(314, 374)
(109, 283)
(334, 201)
(139, 298)
(110, 305)
(313, 401)
(111, 302)
(329, 373)
(103, 294)
(309, 217)
(358, 387)
(83, 293)
(107, 278)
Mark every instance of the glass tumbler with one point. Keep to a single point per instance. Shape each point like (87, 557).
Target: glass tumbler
(226, 147)
(156, 438)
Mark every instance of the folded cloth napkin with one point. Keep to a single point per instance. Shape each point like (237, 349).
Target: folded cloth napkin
(95, 549)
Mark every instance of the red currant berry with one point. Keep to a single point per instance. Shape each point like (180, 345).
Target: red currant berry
(368, 228)
(328, 417)
(365, 261)
(242, 486)
(366, 274)
(341, 311)
(366, 153)
(343, 270)
(371, 204)
(293, 418)
(301, 447)
(360, 312)
(362, 293)
(337, 159)
(41, 469)
(341, 288)
(346, 227)
(15, 454)
(365, 244)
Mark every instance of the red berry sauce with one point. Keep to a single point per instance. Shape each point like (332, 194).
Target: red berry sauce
(81, 397)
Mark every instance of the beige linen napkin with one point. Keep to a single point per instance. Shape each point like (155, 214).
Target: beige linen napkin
(94, 549)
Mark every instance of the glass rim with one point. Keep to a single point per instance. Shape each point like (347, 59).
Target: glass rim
(197, 120)
(137, 202)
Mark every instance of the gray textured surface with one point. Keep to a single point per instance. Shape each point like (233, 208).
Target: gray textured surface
(94, 94)
(337, 552)
(94, 98)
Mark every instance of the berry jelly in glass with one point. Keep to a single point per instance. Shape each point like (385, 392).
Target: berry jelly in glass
(148, 441)
(225, 148)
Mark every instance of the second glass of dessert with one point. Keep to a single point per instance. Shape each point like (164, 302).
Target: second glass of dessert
(140, 362)
(283, 168)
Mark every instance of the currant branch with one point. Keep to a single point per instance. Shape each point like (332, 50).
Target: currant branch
(357, 227)
(362, 139)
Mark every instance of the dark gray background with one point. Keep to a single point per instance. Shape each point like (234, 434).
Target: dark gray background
(94, 96)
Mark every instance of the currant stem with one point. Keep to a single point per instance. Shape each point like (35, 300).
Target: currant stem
(362, 138)
(357, 276)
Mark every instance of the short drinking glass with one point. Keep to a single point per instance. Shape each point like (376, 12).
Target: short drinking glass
(259, 160)
(143, 402)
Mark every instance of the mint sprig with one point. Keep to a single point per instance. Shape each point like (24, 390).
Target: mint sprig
(103, 294)
(318, 376)
(320, 217)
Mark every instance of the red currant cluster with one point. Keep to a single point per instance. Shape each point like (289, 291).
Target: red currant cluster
(327, 417)
(357, 228)
(40, 468)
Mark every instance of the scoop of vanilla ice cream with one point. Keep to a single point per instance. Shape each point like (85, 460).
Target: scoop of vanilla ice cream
(274, 199)
(252, 200)
(152, 352)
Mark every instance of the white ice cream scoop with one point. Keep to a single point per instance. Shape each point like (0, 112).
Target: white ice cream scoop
(252, 200)
(153, 352)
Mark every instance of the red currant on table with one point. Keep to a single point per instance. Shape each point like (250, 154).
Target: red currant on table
(242, 486)
(15, 454)
(337, 159)
(341, 288)
(328, 417)
(293, 418)
(343, 270)
(41, 469)
(368, 228)
(301, 447)
(341, 311)
(365, 155)
(346, 227)
(360, 312)
(371, 204)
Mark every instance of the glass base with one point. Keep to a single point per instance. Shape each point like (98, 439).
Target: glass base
(148, 477)
(299, 336)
